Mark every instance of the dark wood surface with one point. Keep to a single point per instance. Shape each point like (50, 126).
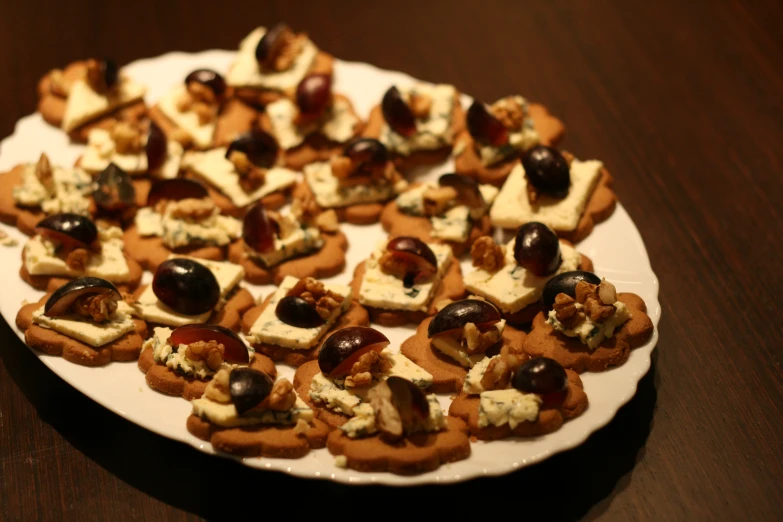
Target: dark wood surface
(682, 100)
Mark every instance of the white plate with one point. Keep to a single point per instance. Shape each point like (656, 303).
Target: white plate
(615, 247)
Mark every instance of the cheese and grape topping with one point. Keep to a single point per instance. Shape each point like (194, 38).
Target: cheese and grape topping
(337, 124)
(84, 104)
(270, 329)
(185, 118)
(213, 167)
(330, 193)
(83, 329)
(294, 239)
(151, 309)
(102, 149)
(41, 258)
(512, 288)
(453, 221)
(363, 423)
(54, 189)
(520, 138)
(434, 131)
(188, 222)
(384, 290)
(510, 406)
(338, 395)
(246, 71)
(512, 206)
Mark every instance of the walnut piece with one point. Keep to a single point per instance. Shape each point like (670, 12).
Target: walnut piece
(438, 199)
(368, 365)
(498, 374)
(282, 397)
(305, 209)
(127, 138)
(342, 166)
(566, 311)
(77, 259)
(211, 352)
(98, 307)
(582, 290)
(217, 389)
(190, 208)
(477, 341)
(607, 293)
(315, 293)
(594, 308)
(250, 176)
(487, 255)
(420, 105)
(44, 173)
(509, 112)
(396, 266)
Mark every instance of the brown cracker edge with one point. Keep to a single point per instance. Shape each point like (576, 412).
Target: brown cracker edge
(451, 287)
(361, 214)
(415, 454)
(549, 420)
(397, 223)
(267, 441)
(544, 341)
(126, 348)
(328, 261)
(52, 283)
(447, 374)
(150, 252)
(356, 315)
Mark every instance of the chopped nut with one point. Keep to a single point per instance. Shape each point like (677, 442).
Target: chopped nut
(498, 374)
(128, 297)
(286, 224)
(127, 139)
(190, 208)
(305, 209)
(438, 199)
(342, 166)
(509, 112)
(420, 105)
(362, 372)
(217, 389)
(587, 295)
(487, 255)
(477, 341)
(210, 352)
(250, 176)
(582, 290)
(396, 266)
(315, 293)
(565, 310)
(387, 417)
(77, 259)
(57, 83)
(98, 307)
(282, 397)
(44, 173)
(291, 46)
(607, 292)
(327, 221)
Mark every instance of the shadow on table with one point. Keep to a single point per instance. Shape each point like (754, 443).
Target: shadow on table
(565, 486)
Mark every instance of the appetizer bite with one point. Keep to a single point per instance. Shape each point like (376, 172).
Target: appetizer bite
(315, 125)
(244, 172)
(512, 276)
(180, 218)
(86, 321)
(199, 114)
(89, 94)
(567, 195)
(292, 323)
(67, 246)
(355, 184)
(270, 64)
(404, 278)
(31, 191)
(418, 124)
(586, 325)
(351, 362)
(299, 243)
(461, 336)
(530, 400)
(498, 134)
(400, 430)
(452, 211)
(246, 412)
(182, 361)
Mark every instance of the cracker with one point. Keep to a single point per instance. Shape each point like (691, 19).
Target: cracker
(328, 261)
(450, 287)
(302, 380)
(423, 157)
(161, 378)
(260, 441)
(549, 419)
(149, 251)
(360, 214)
(447, 374)
(416, 453)
(356, 315)
(544, 341)
(46, 340)
(550, 132)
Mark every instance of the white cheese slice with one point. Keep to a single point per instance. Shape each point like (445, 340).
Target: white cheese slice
(226, 415)
(454, 225)
(110, 264)
(213, 167)
(245, 71)
(513, 209)
(432, 132)
(330, 194)
(271, 330)
(403, 367)
(81, 329)
(188, 120)
(337, 125)
(512, 288)
(512, 407)
(381, 290)
(149, 308)
(101, 151)
(472, 384)
(84, 104)
(301, 241)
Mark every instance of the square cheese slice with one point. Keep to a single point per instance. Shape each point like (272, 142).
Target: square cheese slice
(513, 209)
(88, 332)
(330, 194)
(149, 308)
(110, 264)
(226, 415)
(84, 104)
(213, 167)
(432, 132)
(382, 290)
(188, 120)
(271, 330)
(512, 288)
(245, 71)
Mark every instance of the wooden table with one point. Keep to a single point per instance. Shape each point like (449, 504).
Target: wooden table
(682, 100)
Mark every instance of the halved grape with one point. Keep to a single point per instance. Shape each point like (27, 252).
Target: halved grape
(175, 190)
(110, 72)
(484, 127)
(186, 286)
(248, 388)
(344, 347)
(259, 230)
(537, 249)
(397, 113)
(70, 230)
(542, 376)
(313, 94)
(208, 78)
(297, 312)
(114, 190)
(547, 170)
(156, 147)
(60, 302)
(410, 401)
(235, 350)
(259, 146)
(367, 154)
(565, 283)
(420, 259)
(456, 315)
(270, 43)
(467, 189)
